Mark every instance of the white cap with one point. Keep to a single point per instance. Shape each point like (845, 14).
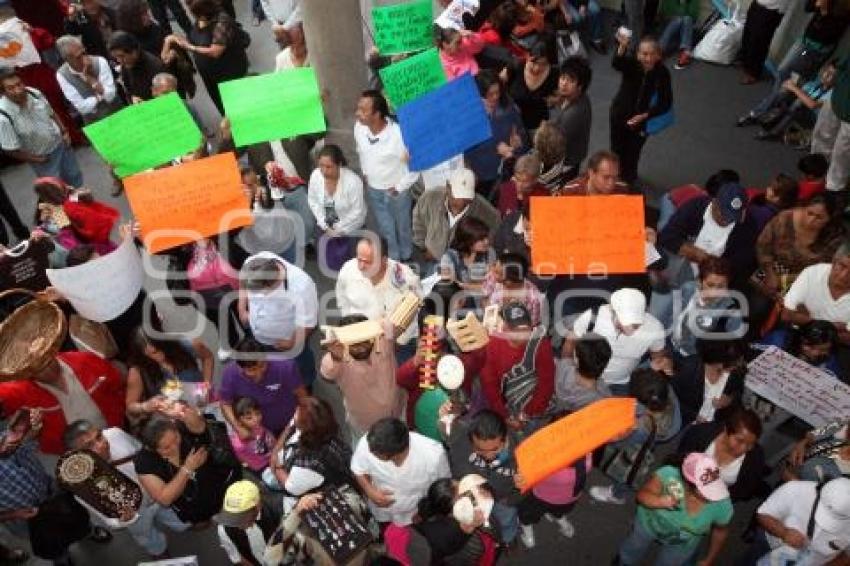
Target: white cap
(833, 512)
(450, 372)
(462, 183)
(629, 305)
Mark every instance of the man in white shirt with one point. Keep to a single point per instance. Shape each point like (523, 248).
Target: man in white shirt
(372, 284)
(803, 527)
(822, 292)
(86, 81)
(280, 304)
(631, 333)
(395, 467)
(383, 160)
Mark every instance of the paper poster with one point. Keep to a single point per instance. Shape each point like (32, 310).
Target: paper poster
(411, 78)
(187, 202)
(443, 123)
(805, 391)
(402, 28)
(582, 235)
(273, 106)
(452, 16)
(145, 135)
(16, 46)
(105, 287)
(561, 443)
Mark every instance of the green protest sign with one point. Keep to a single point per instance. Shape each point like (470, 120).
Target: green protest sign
(402, 28)
(409, 79)
(145, 135)
(273, 106)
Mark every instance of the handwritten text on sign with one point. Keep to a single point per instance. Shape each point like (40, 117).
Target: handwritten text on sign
(588, 235)
(187, 202)
(402, 28)
(561, 443)
(801, 389)
(409, 79)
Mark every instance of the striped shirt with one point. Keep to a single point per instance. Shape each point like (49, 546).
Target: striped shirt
(29, 128)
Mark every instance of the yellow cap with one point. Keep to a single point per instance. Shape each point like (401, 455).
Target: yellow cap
(240, 497)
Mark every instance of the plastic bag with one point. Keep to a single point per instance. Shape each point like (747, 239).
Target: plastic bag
(722, 42)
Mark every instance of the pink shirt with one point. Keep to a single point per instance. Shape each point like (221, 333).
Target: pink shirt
(560, 487)
(247, 450)
(464, 60)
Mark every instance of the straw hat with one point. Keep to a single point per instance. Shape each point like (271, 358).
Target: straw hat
(29, 338)
(91, 336)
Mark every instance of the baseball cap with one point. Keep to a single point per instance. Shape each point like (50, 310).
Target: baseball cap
(462, 183)
(240, 502)
(629, 305)
(516, 314)
(701, 470)
(833, 512)
(450, 372)
(731, 198)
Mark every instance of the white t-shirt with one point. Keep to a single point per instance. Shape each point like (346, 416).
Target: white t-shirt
(275, 314)
(348, 200)
(729, 472)
(791, 504)
(712, 391)
(256, 540)
(627, 351)
(426, 462)
(811, 290)
(382, 157)
(712, 237)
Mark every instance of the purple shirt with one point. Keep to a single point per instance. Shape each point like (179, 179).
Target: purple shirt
(275, 392)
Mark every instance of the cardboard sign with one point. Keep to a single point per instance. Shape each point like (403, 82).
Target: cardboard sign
(105, 287)
(273, 106)
(596, 235)
(402, 28)
(145, 135)
(188, 202)
(409, 79)
(443, 123)
(807, 392)
(561, 443)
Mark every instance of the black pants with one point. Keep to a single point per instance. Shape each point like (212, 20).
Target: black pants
(160, 14)
(10, 215)
(531, 509)
(627, 144)
(758, 33)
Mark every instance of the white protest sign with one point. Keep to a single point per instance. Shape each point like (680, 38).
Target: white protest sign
(102, 288)
(16, 46)
(807, 392)
(452, 16)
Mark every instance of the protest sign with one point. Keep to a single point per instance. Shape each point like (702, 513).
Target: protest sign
(401, 28)
(452, 16)
(561, 443)
(588, 235)
(105, 287)
(807, 392)
(145, 135)
(187, 202)
(443, 123)
(409, 79)
(273, 106)
(16, 46)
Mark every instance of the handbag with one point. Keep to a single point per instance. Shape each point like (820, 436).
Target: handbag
(632, 464)
(661, 122)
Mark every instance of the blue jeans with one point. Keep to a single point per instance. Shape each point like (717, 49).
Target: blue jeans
(666, 210)
(296, 201)
(800, 60)
(61, 163)
(681, 26)
(508, 519)
(592, 18)
(393, 216)
(635, 547)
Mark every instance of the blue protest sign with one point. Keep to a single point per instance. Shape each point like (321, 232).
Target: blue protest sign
(444, 123)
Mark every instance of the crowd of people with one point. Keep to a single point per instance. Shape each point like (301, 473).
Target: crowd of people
(447, 347)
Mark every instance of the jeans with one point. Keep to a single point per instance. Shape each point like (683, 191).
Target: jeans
(393, 216)
(635, 547)
(60, 163)
(681, 26)
(592, 18)
(831, 137)
(146, 532)
(508, 519)
(296, 201)
(666, 210)
(800, 60)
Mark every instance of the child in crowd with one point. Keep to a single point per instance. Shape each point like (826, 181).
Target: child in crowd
(458, 50)
(508, 282)
(253, 452)
(813, 168)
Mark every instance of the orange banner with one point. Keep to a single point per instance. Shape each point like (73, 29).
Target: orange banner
(560, 444)
(187, 202)
(588, 235)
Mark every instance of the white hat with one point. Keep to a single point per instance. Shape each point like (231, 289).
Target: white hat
(462, 183)
(833, 512)
(450, 372)
(629, 305)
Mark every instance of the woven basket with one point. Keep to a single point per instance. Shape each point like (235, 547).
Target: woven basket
(29, 337)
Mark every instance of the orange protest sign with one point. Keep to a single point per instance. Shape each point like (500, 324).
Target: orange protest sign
(588, 235)
(566, 440)
(187, 202)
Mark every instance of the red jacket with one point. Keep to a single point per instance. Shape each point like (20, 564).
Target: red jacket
(108, 394)
(501, 356)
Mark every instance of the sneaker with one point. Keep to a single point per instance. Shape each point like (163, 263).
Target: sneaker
(683, 61)
(605, 495)
(526, 535)
(566, 528)
(747, 119)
